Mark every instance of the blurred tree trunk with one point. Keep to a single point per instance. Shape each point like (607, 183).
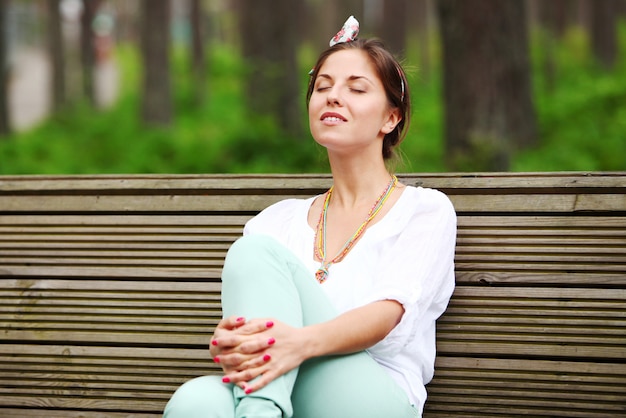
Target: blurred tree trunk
(487, 91)
(197, 20)
(345, 9)
(126, 20)
(270, 35)
(394, 27)
(87, 49)
(556, 15)
(157, 92)
(420, 13)
(5, 124)
(553, 19)
(56, 50)
(324, 19)
(604, 31)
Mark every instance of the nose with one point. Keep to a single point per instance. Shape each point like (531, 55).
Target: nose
(333, 96)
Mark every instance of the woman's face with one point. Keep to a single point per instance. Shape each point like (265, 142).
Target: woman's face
(348, 109)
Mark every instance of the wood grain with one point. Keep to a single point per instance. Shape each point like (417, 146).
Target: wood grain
(110, 290)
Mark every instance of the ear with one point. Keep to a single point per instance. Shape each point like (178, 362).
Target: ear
(393, 119)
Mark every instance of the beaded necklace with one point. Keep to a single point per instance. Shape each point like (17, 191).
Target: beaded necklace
(320, 232)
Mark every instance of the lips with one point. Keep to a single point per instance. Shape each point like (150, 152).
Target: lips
(332, 117)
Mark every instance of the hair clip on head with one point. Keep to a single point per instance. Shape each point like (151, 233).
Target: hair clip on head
(348, 32)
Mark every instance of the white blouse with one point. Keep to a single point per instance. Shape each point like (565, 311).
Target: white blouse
(407, 256)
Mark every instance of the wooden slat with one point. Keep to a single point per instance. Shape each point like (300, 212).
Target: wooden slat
(587, 374)
(524, 203)
(540, 224)
(215, 182)
(178, 221)
(164, 273)
(74, 399)
(538, 193)
(212, 260)
(545, 278)
(53, 413)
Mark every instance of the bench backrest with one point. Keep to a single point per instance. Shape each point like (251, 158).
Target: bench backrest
(109, 290)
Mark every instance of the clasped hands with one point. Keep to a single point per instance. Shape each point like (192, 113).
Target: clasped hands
(247, 349)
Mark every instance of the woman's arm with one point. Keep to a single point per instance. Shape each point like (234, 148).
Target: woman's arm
(350, 332)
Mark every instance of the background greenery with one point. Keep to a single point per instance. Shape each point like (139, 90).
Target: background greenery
(582, 121)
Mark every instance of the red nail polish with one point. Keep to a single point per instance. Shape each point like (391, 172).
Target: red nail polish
(267, 357)
(216, 359)
(269, 324)
(226, 379)
(214, 342)
(241, 318)
(248, 391)
(271, 341)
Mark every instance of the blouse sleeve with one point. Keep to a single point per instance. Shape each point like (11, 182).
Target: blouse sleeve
(273, 220)
(417, 270)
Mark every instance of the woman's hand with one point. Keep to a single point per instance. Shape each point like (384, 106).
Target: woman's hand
(262, 348)
(236, 342)
(267, 348)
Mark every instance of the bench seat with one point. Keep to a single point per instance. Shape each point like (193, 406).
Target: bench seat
(110, 290)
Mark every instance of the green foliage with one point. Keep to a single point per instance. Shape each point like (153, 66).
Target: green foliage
(213, 136)
(583, 118)
(582, 123)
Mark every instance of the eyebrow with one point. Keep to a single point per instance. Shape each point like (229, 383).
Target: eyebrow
(351, 78)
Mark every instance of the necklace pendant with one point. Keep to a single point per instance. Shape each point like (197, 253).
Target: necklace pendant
(321, 275)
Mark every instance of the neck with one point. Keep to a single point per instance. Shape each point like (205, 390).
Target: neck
(355, 185)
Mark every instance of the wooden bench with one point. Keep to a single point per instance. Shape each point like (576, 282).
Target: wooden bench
(109, 290)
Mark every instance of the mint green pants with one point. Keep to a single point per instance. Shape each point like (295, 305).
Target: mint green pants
(261, 278)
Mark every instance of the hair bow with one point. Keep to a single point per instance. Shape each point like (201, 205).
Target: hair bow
(348, 32)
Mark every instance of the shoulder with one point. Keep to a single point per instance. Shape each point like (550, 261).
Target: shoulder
(276, 216)
(283, 206)
(421, 200)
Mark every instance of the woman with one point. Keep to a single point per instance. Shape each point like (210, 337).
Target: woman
(330, 302)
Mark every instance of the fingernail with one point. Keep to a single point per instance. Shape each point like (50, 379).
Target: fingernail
(269, 324)
(216, 359)
(271, 341)
(267, 357)
(214, 342)
(241, 318)
(226, 379)
(248, 391)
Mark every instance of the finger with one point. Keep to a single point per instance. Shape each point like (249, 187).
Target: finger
(220, 345)
(224, 341)
(266, 378)
(257, 361)
(255, 326)
(244, 376)
(234, 361)
(256, 345)
(227, 339)
(232, 322)
(225, 325)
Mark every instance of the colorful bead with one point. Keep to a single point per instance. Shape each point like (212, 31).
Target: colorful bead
(320, 231)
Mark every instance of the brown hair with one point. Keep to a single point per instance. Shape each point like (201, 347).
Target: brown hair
(392, 77)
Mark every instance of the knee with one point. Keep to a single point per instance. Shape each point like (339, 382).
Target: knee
(250, 250)
(250, 245)
(202, 397)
